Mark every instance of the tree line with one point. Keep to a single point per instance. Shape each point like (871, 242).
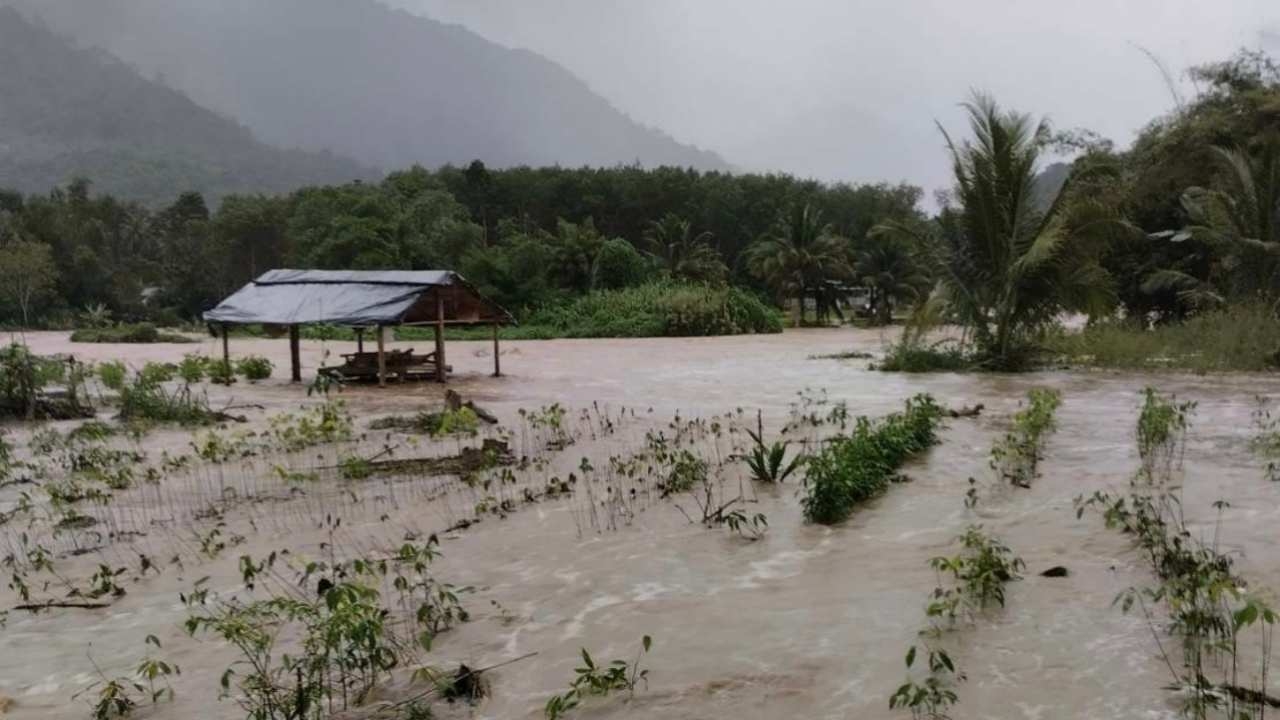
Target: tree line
(527, 237)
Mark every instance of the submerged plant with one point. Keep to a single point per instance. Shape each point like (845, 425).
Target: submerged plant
(1016, 456)
(980, 572)
(768, 463)
(931, 698)
(1208, 606)
(596, 680)
(1162, 435)
(1266, 439)
(857, 467)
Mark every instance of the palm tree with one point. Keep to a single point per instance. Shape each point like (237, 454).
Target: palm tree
(1009, 268)
(799, 255)
(887, 266)
(682, 253)
(1237, 223)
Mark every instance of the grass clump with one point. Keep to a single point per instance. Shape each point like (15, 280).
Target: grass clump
(855, 468)
(911, 357)
(128, 333)
(1239, 337)
(113, 374)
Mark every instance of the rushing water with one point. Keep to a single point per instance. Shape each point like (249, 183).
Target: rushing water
(809, 622)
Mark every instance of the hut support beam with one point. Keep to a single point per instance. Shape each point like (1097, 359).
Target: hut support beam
(440, 364)
(497, 359)
(295, 353)
(226, 349)
(359, 339)
(382, 358)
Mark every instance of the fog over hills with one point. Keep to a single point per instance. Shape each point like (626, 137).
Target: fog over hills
(357, 78)
(70, 112)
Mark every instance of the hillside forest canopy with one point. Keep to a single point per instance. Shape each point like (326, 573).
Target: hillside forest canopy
(1182, 223)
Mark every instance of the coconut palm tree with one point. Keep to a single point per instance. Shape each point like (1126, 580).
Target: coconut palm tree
(799, 256)
(684, 254)
(1236, 223)
(1009, 268)
(887, 266)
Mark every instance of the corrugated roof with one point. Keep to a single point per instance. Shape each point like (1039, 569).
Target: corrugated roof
(346, 297)
(366, 277)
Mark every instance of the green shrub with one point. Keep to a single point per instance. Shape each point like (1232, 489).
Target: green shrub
(192, 368)
(112, 374)
(23, 377)
(855, 468)
(918, 358)
(220, 372)
(619, 265)
(660, 309)
(254, 367)
(154, 373)
(135, 333)
(354, 467)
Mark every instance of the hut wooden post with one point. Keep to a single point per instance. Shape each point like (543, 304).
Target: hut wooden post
(440, 364)
(359, 339)
(226, 348)
(382, 359)
(295, 353)
(497, 359)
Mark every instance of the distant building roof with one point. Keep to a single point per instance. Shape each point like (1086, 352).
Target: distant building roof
(357, 298)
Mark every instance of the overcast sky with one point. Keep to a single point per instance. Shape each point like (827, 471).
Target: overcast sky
(850, 90)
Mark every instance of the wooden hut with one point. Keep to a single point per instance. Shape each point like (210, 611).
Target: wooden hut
(363, 300)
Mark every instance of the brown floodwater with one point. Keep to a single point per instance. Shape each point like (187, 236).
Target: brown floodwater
(808, 622)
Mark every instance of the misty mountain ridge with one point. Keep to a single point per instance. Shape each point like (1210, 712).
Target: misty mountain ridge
(365, 81)
(68, 112)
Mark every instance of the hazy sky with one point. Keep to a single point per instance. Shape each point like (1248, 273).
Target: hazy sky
(850, 90)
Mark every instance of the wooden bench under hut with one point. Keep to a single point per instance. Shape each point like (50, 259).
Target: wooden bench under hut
(364, 301)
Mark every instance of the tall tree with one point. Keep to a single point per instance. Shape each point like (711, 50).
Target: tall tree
(30, 274)
(799, 255)
(1009, 269)
(1236, 222)
(887, 266)
(685, 255)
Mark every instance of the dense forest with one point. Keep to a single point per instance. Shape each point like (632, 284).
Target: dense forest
(1181, 224)
(527, 237)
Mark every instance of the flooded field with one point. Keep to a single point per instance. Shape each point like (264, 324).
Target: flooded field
(806, 622)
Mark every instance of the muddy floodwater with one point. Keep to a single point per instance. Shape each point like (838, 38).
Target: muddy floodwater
(807, 622)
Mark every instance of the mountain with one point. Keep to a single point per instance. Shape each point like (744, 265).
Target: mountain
(67, 112)
(1048, 184)
(358, 78)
